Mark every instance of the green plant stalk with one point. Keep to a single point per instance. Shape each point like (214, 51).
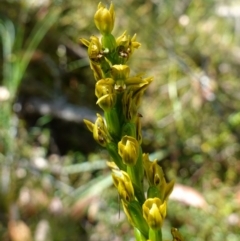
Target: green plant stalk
(140, 223)
(15, 62)
(155, 234)
(33, 41)
(129, 129)
(113, 151)
(119, 97)
(113, 124)
(138, 235)
(109, 42)
(136, 174)
(5, 127)
(16, 57)
(6, 33)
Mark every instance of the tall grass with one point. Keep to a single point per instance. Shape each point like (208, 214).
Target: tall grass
(17, 51)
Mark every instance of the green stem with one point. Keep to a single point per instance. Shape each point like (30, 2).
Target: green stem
(5, 125)
(136, 174)
(138, 235)
(135, 212)
(113, 152)
(109, 42)
(155, 234)
(129, 129)
(113, 124)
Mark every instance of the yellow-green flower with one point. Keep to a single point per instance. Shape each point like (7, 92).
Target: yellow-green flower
(99, 130)
(126, 45)
(105, 93)
(95, 49)
(123, 183)
(133, 95)
(120, 72)
(138, 89)
(128, 149)
(104, 19)
(155, 177)
(107, 102)
(95, 55)
(104, 86)
(154, 212)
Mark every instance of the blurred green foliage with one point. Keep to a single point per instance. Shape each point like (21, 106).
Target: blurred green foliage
(191, 115)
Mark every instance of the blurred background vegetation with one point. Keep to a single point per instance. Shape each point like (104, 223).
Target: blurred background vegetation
(54, 183)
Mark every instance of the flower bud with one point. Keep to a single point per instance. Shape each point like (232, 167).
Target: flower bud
(104, 19)
(128, 149)
(154, 212)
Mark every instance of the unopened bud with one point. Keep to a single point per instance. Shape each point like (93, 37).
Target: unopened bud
(104, 19)
(154, 212)
(128, 149)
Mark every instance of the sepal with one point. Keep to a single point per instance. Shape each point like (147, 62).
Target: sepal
(88, 124)
(84, 41)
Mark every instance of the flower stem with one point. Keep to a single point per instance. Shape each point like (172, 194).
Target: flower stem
(155, 234)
